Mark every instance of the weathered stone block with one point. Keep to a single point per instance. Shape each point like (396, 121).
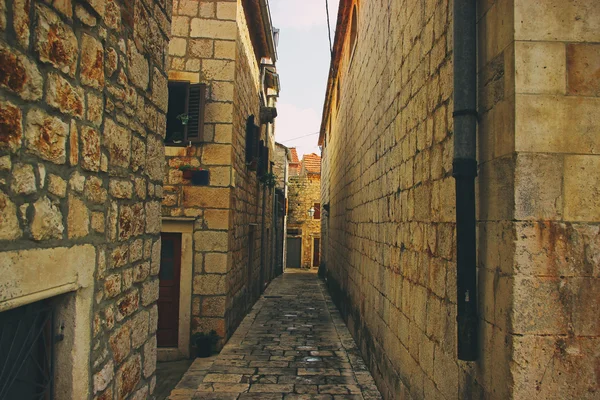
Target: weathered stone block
(215, 263)
(178, 47)
(139, 329)
(216, 154)
(155, 158)
(207, 28)
(227, 10)
(94, 190)
(127, 305)
(211, 241)
(139, 70)
(19, 75)
(112, 16)
(583, 72)
(582, 188)
(217, 219)
(57, 185)
(218, 70)
(128, 376)
(214, 306)
(55, 42)
(200, 48)
(47, 221)
(11, 129)
(78, 219)
(112, 286)
(104, 377)
(118, 141)
(46, 136)
(556, 20)
(64, 96)
(95, 108)
(84, 16)
(92, 62)
(98, 222)
(21, 21)
(209, 284)
(9, 223)
(141, 272)
(153, 221)
(206, 197)
(540, 67)
(90, 149)
(538, 188)
(121, 189)
(23, 179)
(150, 292)
(150, 355)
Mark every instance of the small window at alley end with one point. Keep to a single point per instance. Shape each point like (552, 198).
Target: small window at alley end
(185, 116)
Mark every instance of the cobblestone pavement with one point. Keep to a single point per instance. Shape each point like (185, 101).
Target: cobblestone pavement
(292, 345)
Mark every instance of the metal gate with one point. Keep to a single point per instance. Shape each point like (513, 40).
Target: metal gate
(26, 352)
(294, 252)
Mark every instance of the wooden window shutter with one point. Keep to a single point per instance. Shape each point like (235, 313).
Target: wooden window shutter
(251, 143)
(317, 207)
(263, 159)
(196, 105)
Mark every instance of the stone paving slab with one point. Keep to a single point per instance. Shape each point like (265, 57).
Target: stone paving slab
(293, 345)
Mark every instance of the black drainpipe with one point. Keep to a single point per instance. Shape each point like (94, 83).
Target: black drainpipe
(465, 171)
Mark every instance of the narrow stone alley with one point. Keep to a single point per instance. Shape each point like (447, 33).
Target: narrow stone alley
(292, 345)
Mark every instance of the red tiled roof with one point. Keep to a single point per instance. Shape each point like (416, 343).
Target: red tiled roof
(295, 158)
(312, 163)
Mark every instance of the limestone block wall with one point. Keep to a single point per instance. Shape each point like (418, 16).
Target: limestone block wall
(83, 95)
(202, 50)
(390, 237)
(252, 203)
(555, 271)
(211, 44)
(304, 192)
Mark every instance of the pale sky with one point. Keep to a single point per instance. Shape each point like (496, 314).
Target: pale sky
(303, 67)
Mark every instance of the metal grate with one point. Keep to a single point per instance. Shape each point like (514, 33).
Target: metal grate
(27, 353)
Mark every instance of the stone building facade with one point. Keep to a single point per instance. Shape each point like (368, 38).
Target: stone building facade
(390, 240)
(83, 97)
(224, 225)
(303, 247)
(283, 157)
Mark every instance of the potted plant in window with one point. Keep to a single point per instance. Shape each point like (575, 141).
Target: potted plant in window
(204, 344)
(197, 175)
(177, 137)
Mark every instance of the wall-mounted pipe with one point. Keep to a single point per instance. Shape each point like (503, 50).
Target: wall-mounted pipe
(464, 172)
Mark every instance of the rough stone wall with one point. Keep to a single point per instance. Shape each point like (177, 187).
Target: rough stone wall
(304, 192)
(556, 267)
(202, 50)
(390, 241)
(281, 167)
(83, 98)
(391, 261)
(282, 170)
(244, 278)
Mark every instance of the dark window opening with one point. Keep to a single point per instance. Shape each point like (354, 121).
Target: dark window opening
(185, 115)
(27, 352)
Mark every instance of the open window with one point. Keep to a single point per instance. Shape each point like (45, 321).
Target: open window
(185, 116)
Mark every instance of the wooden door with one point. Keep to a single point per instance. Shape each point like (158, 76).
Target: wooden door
(294, 252)
(317, 252)
(168, 298)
